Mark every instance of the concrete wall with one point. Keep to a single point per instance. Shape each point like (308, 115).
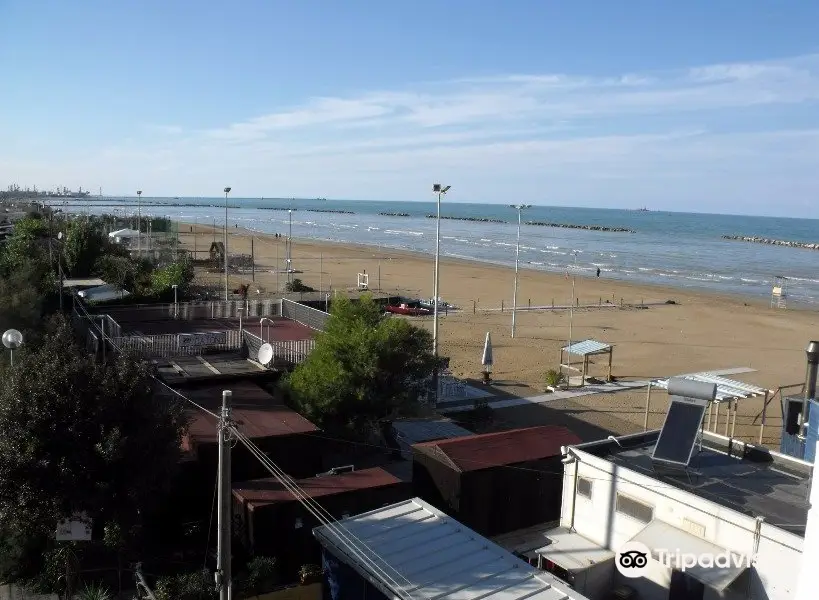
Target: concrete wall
(773, 577)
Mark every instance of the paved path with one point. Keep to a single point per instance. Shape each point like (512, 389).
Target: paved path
(588, 390)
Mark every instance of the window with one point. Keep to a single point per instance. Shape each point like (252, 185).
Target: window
(584, 487)
(634, 509)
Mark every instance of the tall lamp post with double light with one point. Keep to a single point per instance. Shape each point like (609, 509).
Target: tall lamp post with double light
(520, 208)
(290, 248)
(227, 191)
(441, 191)
(139, 223)
(12, 339)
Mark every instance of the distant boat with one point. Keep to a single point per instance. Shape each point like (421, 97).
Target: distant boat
(643, 209)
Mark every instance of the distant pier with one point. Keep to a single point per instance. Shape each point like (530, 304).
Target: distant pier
(771, 242)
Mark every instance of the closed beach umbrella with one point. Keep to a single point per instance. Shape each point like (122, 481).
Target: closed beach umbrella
(486, 361)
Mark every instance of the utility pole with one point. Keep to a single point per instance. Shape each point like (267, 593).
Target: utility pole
(139, 223)
(227, 191)
(223, 575)
(252, 260)
(519, 208)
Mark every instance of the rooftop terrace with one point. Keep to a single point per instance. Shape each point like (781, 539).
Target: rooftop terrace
(748, 479)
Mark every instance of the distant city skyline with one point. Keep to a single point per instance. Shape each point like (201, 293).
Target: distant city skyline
(694, 107)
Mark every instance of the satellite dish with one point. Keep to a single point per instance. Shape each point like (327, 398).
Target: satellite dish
(13, 339)
(265, 354)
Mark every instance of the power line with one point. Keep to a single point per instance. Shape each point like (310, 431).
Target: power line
(476, 462)
(324, 517)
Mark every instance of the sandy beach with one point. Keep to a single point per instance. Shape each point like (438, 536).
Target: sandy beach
(701, 331)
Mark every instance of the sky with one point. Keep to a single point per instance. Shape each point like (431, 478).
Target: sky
(694, 106)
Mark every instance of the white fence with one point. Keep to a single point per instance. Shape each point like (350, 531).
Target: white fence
(307, 316)
(179, 344)
(285, 353)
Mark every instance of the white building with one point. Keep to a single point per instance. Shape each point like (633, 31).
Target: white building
(732, 498)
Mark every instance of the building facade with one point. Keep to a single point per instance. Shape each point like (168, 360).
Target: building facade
(736, 500)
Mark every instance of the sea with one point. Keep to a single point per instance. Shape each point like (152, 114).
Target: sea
(674, 249)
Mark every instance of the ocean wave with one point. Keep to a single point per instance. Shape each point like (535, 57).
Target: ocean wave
(402, 232)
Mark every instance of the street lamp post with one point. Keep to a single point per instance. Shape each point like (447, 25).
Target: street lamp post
(12, 339)
(290, 247)
(441, 190)
(227, 191)
(175, 302)
(139, 223)
(571, 307)
(520, 208)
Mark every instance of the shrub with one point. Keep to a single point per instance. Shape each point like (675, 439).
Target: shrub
(297, 285)
(554, 378)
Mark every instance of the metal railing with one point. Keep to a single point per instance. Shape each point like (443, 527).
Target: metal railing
(285, 353)
(309, 317)
(179, 344)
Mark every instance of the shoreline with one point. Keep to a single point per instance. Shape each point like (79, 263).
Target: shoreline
(653, 292)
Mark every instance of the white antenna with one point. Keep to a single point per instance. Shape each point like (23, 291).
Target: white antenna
(265, 354)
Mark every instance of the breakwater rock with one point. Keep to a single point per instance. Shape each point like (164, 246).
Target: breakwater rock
(314, 210)
(389, 214)
(585, 227)
(771, 242)
(473, 219)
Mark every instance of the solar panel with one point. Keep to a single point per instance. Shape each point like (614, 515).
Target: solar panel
(679, 433)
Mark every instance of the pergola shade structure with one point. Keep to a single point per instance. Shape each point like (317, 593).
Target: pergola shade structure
(729, 392)
(585, 349)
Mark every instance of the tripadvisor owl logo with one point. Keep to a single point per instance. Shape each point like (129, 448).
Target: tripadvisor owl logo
(632, 560)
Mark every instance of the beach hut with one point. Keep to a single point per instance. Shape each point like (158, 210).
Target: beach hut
(494, 482)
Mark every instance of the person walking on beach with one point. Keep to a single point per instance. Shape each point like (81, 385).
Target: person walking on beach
(598, 271)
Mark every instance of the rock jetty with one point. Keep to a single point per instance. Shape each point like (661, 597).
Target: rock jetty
(771, 242)
(389, 214)
(586, 227)
(315, 210)
(474, 219)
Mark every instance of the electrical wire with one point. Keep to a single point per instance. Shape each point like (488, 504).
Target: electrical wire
(324, 517)
(473, 461)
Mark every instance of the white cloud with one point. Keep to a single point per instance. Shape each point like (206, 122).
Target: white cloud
(730, 129)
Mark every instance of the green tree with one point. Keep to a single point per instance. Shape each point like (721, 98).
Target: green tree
(121, 271)
(85, 242)
(179, 273)
(21, 300)
(27, 248)
(79, 436)
(364, 367)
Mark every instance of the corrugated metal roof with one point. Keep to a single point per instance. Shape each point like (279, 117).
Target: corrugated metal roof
(488, 450)
(429, 555)
(587, 347)
(727, 389)
(269, 490)
(258, 413)
(413, 431)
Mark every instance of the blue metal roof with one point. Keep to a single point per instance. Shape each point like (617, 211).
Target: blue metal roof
(587, 347)
(411, 550)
